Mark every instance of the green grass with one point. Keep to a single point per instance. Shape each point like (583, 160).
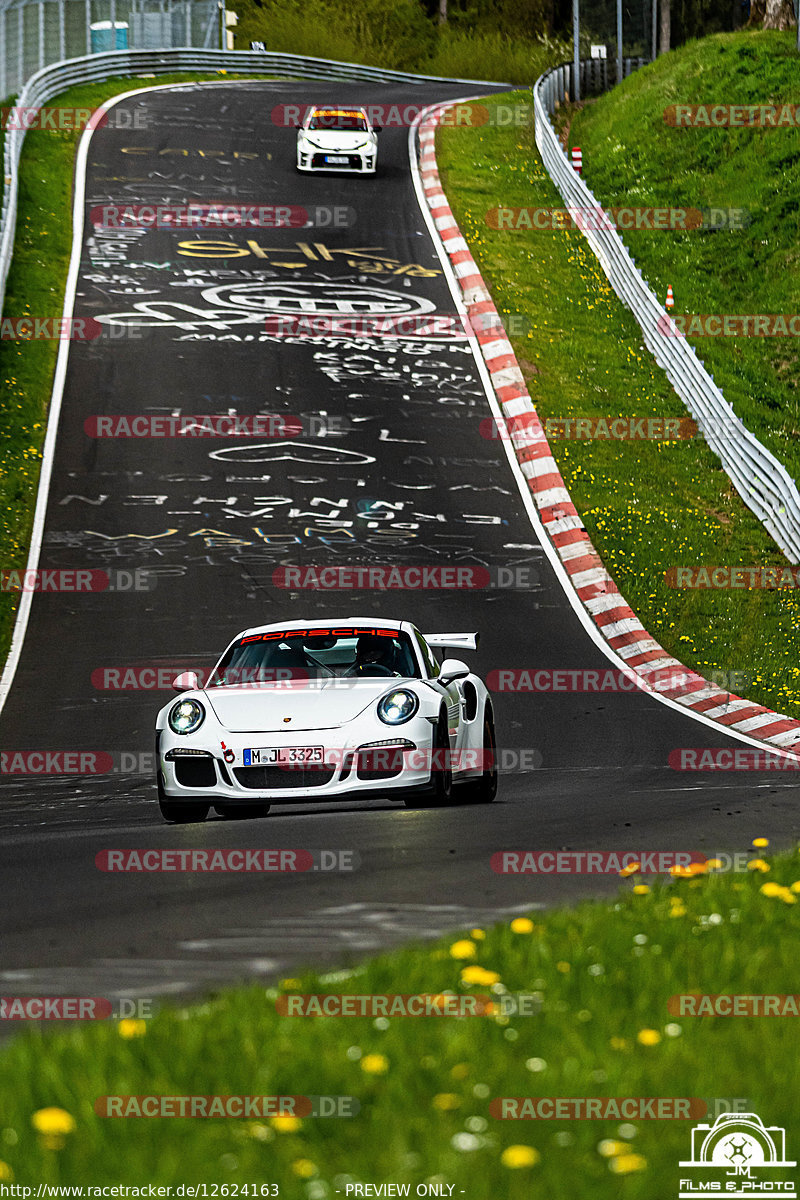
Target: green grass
(600, 974)
(36, 286)
(647, 506)
(630, 156)
(492, 55)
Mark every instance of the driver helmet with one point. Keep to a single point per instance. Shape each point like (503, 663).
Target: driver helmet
(373, 649)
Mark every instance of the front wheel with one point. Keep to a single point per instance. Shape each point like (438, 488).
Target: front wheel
(441, 789)
(179, 812)
(484, 789)
(241, 812)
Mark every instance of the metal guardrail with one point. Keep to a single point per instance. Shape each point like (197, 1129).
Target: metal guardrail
(90, 68)
(762, 482)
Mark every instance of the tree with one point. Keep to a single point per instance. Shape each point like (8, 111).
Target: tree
(772, 14)
(664, 27)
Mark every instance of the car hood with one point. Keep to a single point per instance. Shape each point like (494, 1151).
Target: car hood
(336, 139)
(322, 704)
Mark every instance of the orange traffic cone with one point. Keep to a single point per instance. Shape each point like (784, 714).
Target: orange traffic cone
(670, 302)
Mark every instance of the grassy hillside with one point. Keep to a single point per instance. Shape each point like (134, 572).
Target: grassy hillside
(647, 505)
(631, 156)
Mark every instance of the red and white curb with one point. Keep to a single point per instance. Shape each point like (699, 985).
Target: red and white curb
(599, 595)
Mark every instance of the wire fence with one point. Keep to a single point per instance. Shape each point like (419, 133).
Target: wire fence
(34, 33)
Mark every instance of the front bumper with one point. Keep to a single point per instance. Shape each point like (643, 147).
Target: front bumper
(193, 771)
(357, 164)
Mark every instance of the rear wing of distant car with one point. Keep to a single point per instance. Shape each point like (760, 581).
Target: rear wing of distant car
(453, 641)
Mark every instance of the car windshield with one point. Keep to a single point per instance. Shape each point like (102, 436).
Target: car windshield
(338, 120)
(316, 654)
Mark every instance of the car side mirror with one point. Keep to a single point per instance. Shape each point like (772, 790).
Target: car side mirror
(187, 681)
(452, 669)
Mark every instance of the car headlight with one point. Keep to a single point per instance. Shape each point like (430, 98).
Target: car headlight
(397, 707)
(185, 716)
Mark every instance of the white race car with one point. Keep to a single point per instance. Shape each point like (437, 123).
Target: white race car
(321, 710)
(337, 139)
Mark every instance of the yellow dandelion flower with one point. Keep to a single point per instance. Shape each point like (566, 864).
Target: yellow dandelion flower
(641, 889)
(522, 925)
(630, 869)
(760, 843)
(460, 1070)
(304, 1168)
(477, 934)
(463, 949)
(375, 1064)
(619, 1043)
(609, 1147)
(624, 1164)
(130, 1027)
(758, 864)
(563, 967)
(5, 1172)
(286, 1124)
(476, 974)
(53, 1120)
(517, 1157)
(290, 985)
(648, 1037)
(446, 1101)
(771, 889)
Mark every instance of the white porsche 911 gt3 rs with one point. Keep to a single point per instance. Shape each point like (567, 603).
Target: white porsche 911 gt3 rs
(320, 710)
(337, 139)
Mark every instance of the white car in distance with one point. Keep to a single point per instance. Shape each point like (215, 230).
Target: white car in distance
(338, 139)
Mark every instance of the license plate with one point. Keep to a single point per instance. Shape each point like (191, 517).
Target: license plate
(284, 756)
(337, 158)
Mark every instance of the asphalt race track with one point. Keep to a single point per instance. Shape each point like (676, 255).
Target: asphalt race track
(389, 467)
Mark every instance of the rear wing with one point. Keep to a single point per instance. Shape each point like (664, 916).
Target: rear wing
(453, 641)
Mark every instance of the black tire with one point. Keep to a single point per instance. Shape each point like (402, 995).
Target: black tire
(441, 790)
(484, 789)
(179, 812)
(241, 812)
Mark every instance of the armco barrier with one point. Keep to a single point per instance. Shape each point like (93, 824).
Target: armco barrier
(764, 485)
(91, 68)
